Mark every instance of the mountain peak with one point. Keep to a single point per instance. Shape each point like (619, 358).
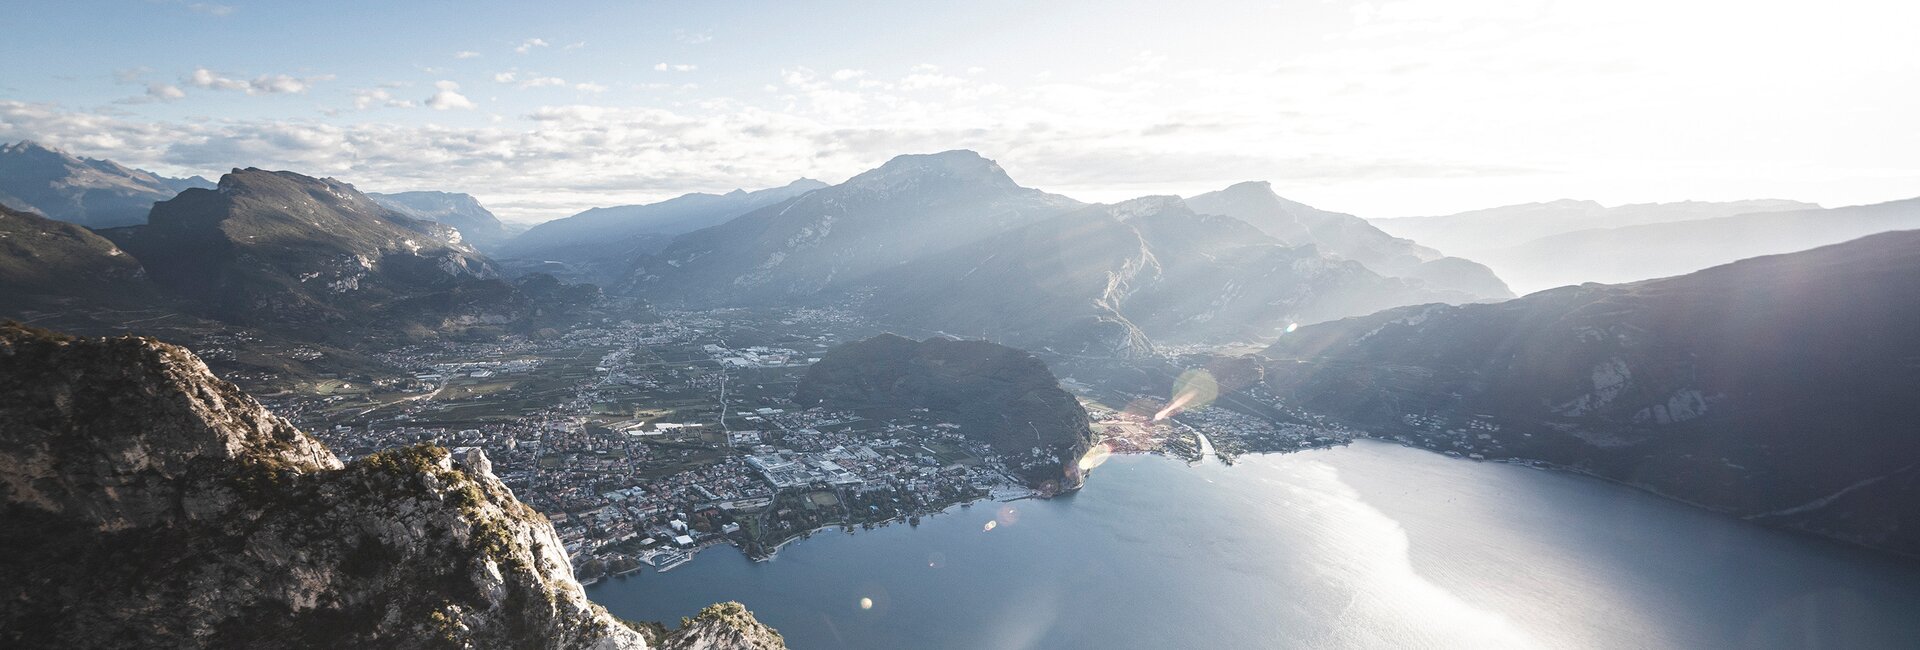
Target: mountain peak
(959, 164)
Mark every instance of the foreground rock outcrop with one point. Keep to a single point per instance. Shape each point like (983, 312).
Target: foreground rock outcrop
(149, 504)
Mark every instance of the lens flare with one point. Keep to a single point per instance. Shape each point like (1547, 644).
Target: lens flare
(1193, 389)
(866, 603)
(1292, 326)
(990, 526)
(1095, 456)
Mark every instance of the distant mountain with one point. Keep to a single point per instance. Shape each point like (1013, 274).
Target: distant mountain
(1783, 389)
(314, 255)
(1469, 233)
(49, 264)
(85, 191)
(476, 224)
(150, 504)
(609, 239)
(1105, 280)
(1663, 249)
(995, 393)
(1349, 237)
(911, 207)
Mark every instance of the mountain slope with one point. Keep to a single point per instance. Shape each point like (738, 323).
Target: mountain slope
(315, 255)
(150, 504)
(1349, 237)
(911, 207)
(1104, 280)
(476, 224)
(44, 262)
(92, 193)
(614, 236)
(1780, 388)
(995, 393)
(1664, 249)
(1511, 225)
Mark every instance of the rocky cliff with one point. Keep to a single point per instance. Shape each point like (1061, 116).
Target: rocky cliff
(149, 504)
(995, 393)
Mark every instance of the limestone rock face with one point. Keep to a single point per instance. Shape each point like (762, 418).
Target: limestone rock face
(149, 504)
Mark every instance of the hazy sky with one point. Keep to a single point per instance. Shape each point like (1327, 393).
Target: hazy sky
(1375, 108)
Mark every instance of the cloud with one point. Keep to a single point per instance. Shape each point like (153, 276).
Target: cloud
(528, 45)
(574, 45)
(164, 92)
(156, 93)
(262, 85)
(542, 82)
(693, 38)
(378, 97)
(590, 88)
(448, 98)
(211, 9)
(675, 67)
(506, 77)
(466, 54)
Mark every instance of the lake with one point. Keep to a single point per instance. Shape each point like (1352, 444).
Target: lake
(1368, 546)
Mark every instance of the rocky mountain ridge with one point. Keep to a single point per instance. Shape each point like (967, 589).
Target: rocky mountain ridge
(315, 255)
(89, 192)
(151, 504)
(476, 223)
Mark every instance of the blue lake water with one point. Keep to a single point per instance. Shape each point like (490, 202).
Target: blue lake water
(1367, 546)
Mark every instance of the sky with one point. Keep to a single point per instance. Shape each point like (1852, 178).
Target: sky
(1379, 109)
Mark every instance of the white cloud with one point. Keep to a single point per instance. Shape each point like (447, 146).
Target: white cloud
(466, 54)
(675, 67)
(447, 97)
(1408, 107)
(575, 45)
(211, 9)
(542, 82)
(590, 88)
(692, 38)
(528, 45)
(261, 85)
(378, 97)
(164, 92)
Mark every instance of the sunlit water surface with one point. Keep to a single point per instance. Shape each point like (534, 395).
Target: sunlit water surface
(1367, 546)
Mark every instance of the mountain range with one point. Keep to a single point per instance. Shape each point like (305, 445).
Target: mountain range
(150, 504)
(1512, 225)
(1778, 388)
(85, 191)
(1655, 250)
(949, 242)
(1349, 237)
(602, 243)
(307, 257)
(476, 223)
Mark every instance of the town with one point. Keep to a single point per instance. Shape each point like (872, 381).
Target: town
(646, 442)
